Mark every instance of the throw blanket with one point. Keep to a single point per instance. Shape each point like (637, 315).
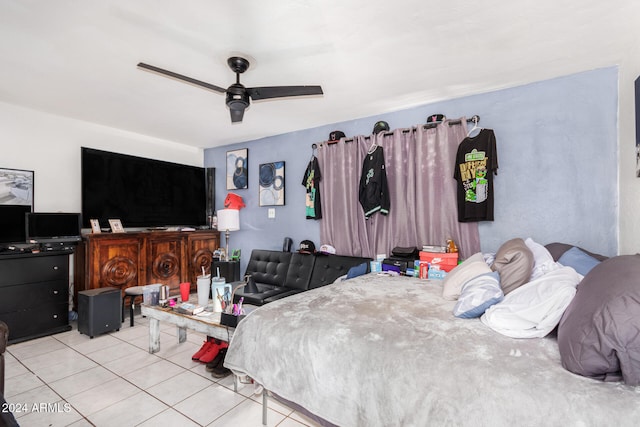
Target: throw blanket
(535, 308)
(387, 351)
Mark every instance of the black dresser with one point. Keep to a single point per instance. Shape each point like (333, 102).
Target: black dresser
(34, 294)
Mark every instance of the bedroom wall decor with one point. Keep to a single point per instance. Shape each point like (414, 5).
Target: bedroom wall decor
(538, 127)
(16, 187)
(238, 169)
(271, 177)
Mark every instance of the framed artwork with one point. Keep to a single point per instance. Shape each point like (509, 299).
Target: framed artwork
(95, 226)
(238, 169)
(116, 226)
(271, 184)
(16, 187)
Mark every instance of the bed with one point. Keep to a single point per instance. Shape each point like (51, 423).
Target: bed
(387, 351)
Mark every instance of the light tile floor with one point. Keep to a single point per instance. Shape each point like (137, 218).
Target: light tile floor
(69, 379)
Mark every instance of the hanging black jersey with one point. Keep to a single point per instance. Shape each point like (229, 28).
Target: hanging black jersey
(373, 192)
(476, 164)
(311, 181)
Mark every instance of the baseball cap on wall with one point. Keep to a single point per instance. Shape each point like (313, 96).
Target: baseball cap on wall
(307, 247)
(436, 118)
(336, 135)
(233, 201)
(380, 127)
(327, 249)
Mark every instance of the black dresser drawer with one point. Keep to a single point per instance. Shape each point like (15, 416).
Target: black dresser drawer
(22, 297)
(34, 269)
(37, 321)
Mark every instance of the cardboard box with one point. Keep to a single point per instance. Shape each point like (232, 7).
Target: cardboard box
(446, 261)
(436, 274)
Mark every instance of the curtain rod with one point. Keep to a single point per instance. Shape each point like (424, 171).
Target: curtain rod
(473, 119)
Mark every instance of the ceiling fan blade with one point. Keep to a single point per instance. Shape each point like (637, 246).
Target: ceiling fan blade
(236, 115)
(171, 74)
(282, 91)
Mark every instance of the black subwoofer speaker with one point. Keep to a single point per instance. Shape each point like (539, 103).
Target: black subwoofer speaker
(99, 311)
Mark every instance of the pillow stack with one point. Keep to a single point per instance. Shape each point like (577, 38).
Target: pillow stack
(477, 295)
(472, 267)
(514, 261)
(598, 333)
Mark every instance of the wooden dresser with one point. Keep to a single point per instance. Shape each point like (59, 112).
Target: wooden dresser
(140, 258)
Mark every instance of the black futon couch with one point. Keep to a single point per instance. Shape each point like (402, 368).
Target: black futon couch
(280, 274)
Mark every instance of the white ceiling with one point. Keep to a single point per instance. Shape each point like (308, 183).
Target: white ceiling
(78, 58)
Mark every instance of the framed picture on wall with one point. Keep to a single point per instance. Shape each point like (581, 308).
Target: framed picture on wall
(271, 177)
(238, 169)
(16, 187)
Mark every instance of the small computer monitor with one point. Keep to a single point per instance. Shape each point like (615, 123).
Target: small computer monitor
(45, 227)
(12, 223)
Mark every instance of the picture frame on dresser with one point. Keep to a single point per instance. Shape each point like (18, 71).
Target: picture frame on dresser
(16, 187)
(95, 226)
(116, 226)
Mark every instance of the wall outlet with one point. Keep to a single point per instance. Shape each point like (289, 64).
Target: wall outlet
(271, 213)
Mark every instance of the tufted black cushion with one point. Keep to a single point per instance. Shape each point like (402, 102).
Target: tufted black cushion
(299, 272)
(328, 268)
(269, 267)
(280, 274)
(297, 280)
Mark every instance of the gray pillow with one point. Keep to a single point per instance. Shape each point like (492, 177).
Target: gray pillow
(558, 249)
(598, 333)
(514, 261)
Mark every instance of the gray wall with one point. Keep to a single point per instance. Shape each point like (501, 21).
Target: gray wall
(557, 179)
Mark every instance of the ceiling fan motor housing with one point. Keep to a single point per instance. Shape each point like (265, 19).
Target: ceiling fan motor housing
(237, 97)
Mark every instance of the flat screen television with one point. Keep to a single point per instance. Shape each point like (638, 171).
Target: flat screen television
(12, 220)
(45, 227)
(141, 192)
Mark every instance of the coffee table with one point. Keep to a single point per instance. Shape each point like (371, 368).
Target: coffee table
(209, 325)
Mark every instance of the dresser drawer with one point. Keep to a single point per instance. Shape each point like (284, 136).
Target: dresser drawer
(22, 297)
(36, 321)
(34, 269)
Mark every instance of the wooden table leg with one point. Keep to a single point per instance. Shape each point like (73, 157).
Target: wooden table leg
(154, 335)
(182, 334)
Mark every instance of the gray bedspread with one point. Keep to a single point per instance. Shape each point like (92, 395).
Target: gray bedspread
(387, 351)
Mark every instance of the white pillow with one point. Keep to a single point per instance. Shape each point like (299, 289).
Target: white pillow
(477, 295)
(471, 267)
(543, 261)
(535, 308)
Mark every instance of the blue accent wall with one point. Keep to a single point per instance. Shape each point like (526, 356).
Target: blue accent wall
(557, 176)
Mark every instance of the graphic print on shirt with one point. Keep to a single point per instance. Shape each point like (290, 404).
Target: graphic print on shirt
(373, 191)
(310, 196)
(311, 182)
(473, 173)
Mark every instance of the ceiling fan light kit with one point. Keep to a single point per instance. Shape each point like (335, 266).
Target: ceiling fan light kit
(238, 97)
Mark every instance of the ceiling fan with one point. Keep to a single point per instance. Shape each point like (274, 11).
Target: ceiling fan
(238, 95)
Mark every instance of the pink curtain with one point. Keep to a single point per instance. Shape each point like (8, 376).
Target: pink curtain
(419, 166)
